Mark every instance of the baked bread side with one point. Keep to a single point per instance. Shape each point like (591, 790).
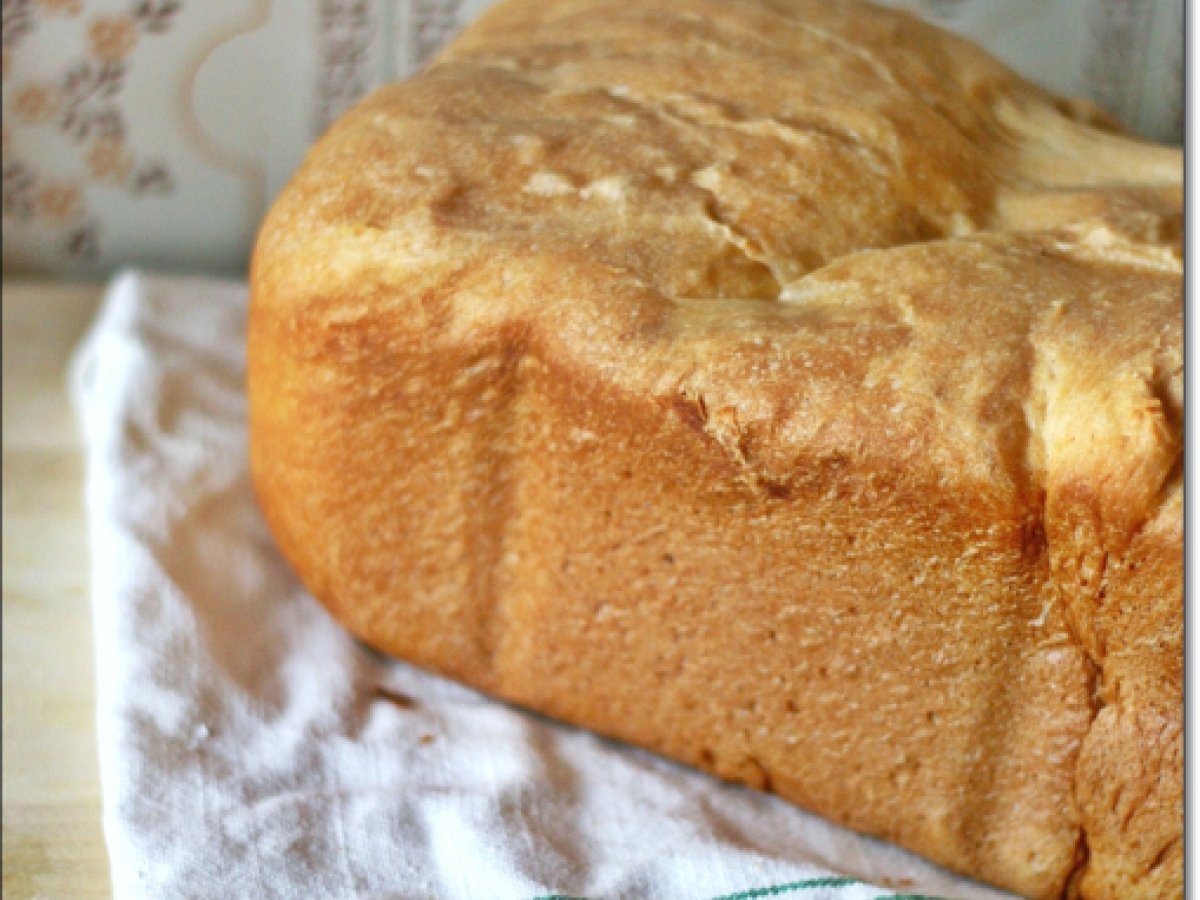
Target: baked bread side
(782, 386)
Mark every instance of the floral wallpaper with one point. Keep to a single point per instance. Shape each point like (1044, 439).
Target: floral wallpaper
(1118, 35)
(344, 32)
(84, 106)
(436, 21)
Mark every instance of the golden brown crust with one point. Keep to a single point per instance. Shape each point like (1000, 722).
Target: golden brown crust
(784, 386)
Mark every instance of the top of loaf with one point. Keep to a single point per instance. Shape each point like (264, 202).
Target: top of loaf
(826, 229)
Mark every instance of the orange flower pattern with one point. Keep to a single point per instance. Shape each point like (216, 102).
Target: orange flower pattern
(83, 105)
(109, 160)
(59, 203)
(35, 103)
(112, 38)
(65, 7)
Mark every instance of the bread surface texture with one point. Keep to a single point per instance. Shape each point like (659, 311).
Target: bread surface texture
(784, 386)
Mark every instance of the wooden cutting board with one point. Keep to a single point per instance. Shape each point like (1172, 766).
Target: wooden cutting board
(53, 845)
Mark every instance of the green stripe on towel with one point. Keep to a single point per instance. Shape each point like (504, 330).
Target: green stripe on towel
(777, 889)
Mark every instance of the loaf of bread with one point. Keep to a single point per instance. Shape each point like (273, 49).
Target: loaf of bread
(782, 385)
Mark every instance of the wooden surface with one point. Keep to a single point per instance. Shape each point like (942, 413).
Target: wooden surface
(53, 845)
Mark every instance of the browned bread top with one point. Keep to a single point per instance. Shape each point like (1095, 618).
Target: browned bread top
(783, 207)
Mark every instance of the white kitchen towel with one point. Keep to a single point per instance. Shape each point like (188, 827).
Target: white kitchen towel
(250, 748)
